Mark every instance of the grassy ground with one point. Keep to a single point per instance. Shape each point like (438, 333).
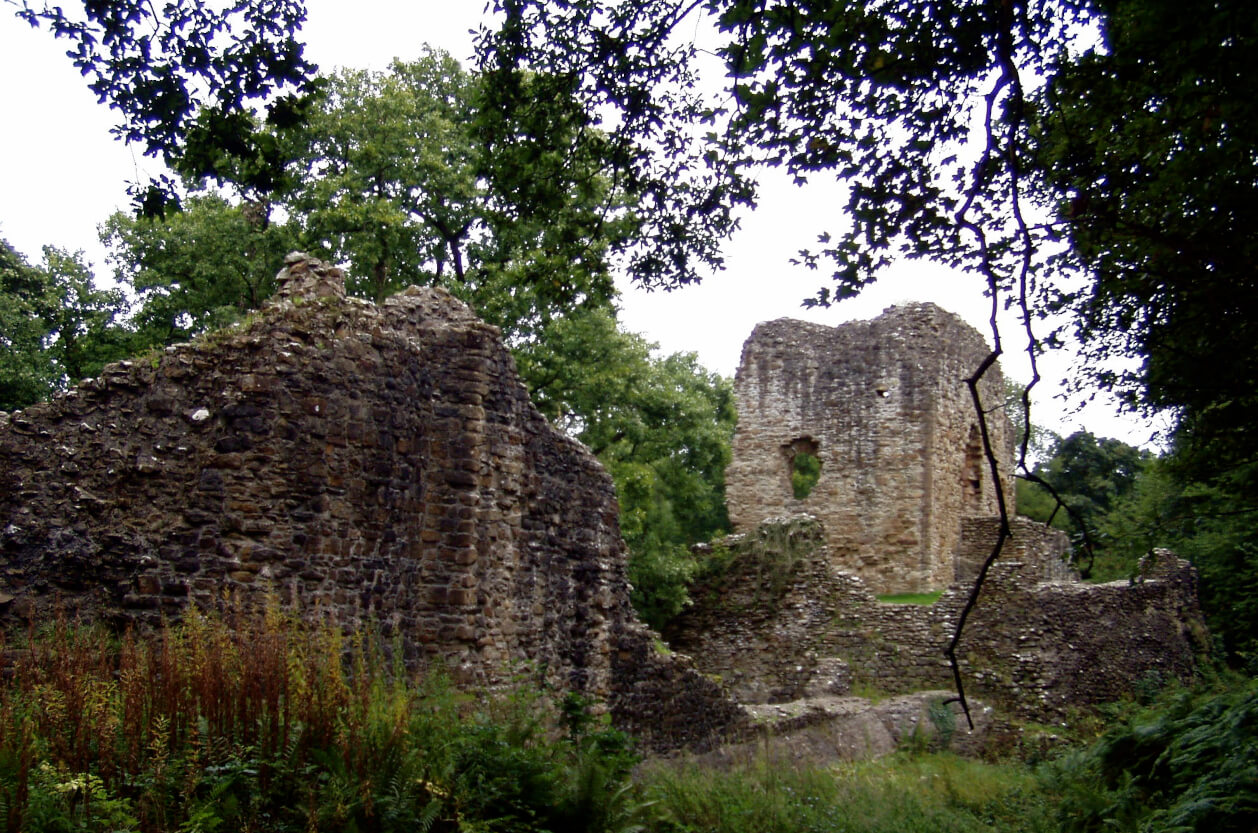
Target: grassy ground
(904, 792)
(911, 598)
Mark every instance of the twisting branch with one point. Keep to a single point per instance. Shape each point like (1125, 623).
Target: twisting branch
(997, 158)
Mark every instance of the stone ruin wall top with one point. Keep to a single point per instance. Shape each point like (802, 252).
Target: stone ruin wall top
(883, 405)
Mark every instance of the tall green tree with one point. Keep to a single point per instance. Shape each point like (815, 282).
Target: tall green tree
(56, 327)
(405, 178)
(389, 182)
(196, 269)
(408, 178)
(661, 426)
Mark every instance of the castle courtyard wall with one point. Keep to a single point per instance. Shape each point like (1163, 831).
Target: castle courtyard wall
(780, 623)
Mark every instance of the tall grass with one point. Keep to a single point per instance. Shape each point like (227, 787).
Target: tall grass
(919, 793)
(265, 725)
(262, 724)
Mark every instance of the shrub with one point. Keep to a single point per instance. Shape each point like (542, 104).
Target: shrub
(267, 725)
(1188, 762)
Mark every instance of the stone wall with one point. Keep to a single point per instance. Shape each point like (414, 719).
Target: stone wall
(779, 623)
(1042, 552)
(354, 462)
(884, 407)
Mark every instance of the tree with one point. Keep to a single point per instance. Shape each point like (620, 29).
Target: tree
(1160, 206)
(185, 76)
(622, 80)
(408, 178)
(389, 184)
(25, 374)
(55, 326)
(398, 175)
(1091, 478)
(197, 269)
(983, 135)
(661, 426)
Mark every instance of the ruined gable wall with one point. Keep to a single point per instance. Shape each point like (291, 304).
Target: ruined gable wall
(885, 407)
(352, 461)
(1037, 647)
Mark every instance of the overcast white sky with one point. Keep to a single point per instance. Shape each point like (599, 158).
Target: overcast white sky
(61, 174)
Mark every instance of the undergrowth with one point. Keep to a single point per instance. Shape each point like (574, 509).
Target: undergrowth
(904, 792)
(266, 725)
(1185, 762)
(270, 726)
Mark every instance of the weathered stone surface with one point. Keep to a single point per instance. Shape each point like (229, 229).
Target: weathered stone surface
(356, 462)
(883, 405)
(822, 730)
(774, 626)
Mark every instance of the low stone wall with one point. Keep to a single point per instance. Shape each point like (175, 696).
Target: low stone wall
(780, 624)
(357, 463)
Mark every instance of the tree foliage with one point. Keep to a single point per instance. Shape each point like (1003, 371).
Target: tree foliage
(661, 426)
(197, 269)
(185, 76)
(1160, 205)
(56, 327)
(397, 176)
(637, 86)
(1092, 478)
(407, 178)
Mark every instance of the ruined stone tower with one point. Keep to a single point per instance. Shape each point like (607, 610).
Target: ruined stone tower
(883, 407)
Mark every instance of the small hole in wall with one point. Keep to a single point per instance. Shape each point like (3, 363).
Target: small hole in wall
(883, 393)
(804, 465)
(805, 472)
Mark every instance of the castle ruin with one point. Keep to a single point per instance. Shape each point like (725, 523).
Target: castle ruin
(903, 501)
(353, 462)
(382, 463)
(883, 408)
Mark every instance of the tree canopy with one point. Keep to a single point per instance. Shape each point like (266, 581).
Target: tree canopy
(1091, 159)
(55, 326)
(185, 78)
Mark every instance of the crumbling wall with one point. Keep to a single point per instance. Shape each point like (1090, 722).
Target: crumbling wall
(354, 462)
(780, 623)
(1042, 552)
(884, 407)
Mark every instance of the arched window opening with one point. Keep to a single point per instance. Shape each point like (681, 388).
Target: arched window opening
(972, 474)
(804, 466)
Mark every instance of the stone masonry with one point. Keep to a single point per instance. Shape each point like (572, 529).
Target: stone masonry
(354, 462)
(884, 407)
(777, 623)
